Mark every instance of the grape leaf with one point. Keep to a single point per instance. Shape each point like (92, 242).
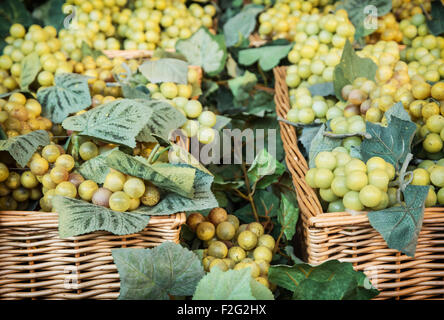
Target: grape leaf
(168, 177)
(138, 92)
(321, 143)
(351, 67)
(77, 217)
(88, 51)
(161, 54)
(241, 86)
(264, 170)
(164, 120)
(165, 70)
(436, 24)
(171, 202)
(332, 280)
(307, 135)
(30, 67)
(398, 111)
(70, 94)
(322, 89)
(268, 56)
(400, 225)
(241, 25)
(392, 143)
(52, 14)
(154, 274)
(117, 122)
(21, 148)
(360, 11)
(231, 285)
(288, 216)
(96, 168)
(204, 49)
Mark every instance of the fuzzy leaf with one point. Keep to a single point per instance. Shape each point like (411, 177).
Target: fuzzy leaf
(392, 143)
(322, 89)
(321, 143)
(332, 280)
(154, 274)
(230, 285)
(116, 122)
(96, 168)
(400, 225)
(241, 25)
(204, 49)
(166, 176)
(268, 56)
(307, 135)
(164, 120)
(165, 70)
(351, 67)
(265, 170)
(398, 111)
(30, 67)
(359, 13)
(52, 14)
(241, 86)
(21, 148)
(436, 24)
(288, 216)
(77, 217)
(139, 92)
(69, 95)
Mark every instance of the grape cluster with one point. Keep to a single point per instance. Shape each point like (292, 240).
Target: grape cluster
(388, 30)
(230, 245)
(21, 43)
(348, 183)
(429, 173)
(19, 115)
(406, 9)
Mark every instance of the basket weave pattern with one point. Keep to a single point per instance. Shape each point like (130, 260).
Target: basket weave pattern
(35, 263)
(351, 238)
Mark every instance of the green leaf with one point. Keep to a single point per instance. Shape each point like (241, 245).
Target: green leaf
(288, 216)
(30, 67)
(350, 68)
(96, 168)
(139, 92)
(21, 148)
(321, 143)
(171, 202)
(241, 25)
(77, 217)
(268, 56)
(163, 121)
(230, 285)
(398, 111)
(289, 250)
(332, 280)
(88, 51)
(241, 86)
(359, 16)
(221, 122)
(54, 16)
(436, 24)
(204, 49)
(166, 176)
(69, 95)
(3, 135)
(117, 122)
(392, 143)
(400, 225)
(12, 12)
(264, 170)
(161, 54)
(307, 135)
(154, 274)
(165, 70)
(322, 89)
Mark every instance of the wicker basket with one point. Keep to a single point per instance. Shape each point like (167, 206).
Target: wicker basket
(35, 263)
(350, 238)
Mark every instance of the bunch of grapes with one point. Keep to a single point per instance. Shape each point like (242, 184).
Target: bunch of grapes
(161, 23)
(405, 9)
(388, 30)
(429, 173)
(280, 21)
(305, 108)
(21, 43)
(345, 182)
(19, 115)
(318, 48)
(230, 245)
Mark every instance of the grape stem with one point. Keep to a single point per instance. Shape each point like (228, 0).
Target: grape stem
(346, 135)
(153, 153)
(299, 124)
(401, 181)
